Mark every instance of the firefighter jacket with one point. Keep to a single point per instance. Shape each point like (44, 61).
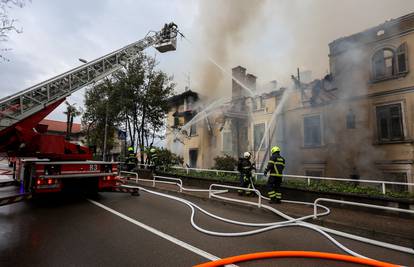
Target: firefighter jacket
(275, 165)
(154, 158)
(245, 166)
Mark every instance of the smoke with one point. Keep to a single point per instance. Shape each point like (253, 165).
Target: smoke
(224, 26)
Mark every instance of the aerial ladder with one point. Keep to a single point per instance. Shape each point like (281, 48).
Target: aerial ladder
(44, 162)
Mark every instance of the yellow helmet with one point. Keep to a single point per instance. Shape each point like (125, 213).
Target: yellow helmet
(152, 150)
(130, 148)
(275, 149)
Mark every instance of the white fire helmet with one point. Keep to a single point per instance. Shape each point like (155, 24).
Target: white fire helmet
(247, 155)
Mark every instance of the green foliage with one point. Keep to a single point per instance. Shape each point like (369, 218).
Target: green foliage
(318, 186)
(101, 103)
(134, 98)
(226, 162)
(344, 187)
(167, 158)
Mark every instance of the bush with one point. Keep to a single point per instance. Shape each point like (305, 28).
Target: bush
(226, 163)
(167, 158)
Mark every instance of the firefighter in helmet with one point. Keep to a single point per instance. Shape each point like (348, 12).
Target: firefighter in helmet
(131, 160)
(245, 167)
(152, 159)
(275, 168)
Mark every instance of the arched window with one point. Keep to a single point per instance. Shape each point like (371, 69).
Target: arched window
(383, 63)
(387, 63)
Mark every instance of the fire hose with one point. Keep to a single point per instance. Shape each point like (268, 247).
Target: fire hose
(290, 222)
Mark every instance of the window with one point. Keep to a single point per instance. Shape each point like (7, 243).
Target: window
(258, 133)
(402, 59)
(383, 64)
(390, 123)
(400, 177)
(387, 63)
(312, 131)
(227, 142)
(258, 103)
(176, 121)
(350, 120)
(193, 129)
(262, 103)
(193, 155)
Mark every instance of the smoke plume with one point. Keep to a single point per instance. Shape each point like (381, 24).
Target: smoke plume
(224, 27)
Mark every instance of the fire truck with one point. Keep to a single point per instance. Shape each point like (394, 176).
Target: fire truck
(44, 163)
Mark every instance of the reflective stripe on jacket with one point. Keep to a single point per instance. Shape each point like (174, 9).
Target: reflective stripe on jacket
(275, 165)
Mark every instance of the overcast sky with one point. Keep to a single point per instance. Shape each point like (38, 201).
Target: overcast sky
(283, 35)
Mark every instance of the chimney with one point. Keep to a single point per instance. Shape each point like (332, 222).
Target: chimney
(251, 81)
(239, 73)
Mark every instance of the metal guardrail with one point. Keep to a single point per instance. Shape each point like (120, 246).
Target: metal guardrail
(259, 202)
(308, 178)
(315, 206)
(180, 182)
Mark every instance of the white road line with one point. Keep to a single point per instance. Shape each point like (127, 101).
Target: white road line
(159, 233)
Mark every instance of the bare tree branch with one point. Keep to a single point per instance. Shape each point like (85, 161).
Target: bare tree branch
(7, 24)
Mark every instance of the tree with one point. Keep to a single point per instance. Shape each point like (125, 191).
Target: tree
(71, 112)
(101, 102)
(137, 101)
(144, 92)
(8, 24)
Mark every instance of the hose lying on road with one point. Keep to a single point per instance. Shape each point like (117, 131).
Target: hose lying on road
(295, 223)
(294, 254)
(289, 222)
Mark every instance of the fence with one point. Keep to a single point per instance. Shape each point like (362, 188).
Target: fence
(381, 183)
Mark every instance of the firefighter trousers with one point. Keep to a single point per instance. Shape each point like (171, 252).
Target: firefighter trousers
(246, 182)
(273, 187)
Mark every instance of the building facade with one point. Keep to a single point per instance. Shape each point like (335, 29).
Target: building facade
(355, 122)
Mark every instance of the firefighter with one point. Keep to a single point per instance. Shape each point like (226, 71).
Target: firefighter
(245, 167)
(153, 159)
(275, 168)
(131, 161)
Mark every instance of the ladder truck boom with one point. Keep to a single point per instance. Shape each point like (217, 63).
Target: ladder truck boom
(49, 163)
(50, 93)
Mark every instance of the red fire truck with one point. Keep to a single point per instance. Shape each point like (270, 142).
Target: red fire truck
(49, 163)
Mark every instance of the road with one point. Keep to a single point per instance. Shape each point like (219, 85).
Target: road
(122, 230)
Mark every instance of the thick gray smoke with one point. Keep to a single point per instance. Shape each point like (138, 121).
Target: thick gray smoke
(224, 26)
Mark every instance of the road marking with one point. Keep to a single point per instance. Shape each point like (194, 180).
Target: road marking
(159, 233)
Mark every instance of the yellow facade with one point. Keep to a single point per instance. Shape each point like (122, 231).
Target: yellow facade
(355, 122)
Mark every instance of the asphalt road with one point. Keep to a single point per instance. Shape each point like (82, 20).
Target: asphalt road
(121, 230)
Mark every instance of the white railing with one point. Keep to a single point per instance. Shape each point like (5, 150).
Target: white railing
(315, 205)
(308, 178)
(133, 173)
(259, 202)
(179, 184)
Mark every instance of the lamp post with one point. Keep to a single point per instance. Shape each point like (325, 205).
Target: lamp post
(106, 128)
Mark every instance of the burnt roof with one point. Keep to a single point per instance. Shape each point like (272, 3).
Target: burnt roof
(388, 29)
(178, 99)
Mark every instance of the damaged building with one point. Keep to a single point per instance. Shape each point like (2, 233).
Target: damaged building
(357, 121)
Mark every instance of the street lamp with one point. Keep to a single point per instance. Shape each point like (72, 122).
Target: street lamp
(83, 60)
(106, 128)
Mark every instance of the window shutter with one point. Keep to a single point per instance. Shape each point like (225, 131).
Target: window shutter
(402, 59)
